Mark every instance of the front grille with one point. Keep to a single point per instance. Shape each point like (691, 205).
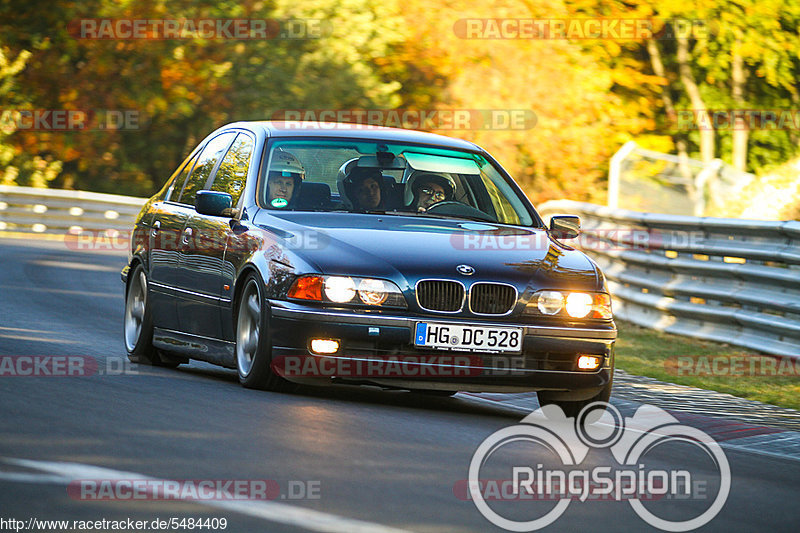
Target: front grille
(492, 298)
(440, 295)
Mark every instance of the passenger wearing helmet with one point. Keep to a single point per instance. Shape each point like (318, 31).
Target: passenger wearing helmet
(283, 179)
(365, 188)
(429, 189)
(361, 188)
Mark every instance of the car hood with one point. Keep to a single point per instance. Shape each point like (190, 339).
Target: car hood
(407, 249)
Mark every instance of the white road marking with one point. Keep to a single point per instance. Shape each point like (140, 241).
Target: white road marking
(271, 511)
(74, 265)
(29, 477)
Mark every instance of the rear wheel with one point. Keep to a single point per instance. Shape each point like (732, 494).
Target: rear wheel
(571, 408)
(253, 343)
(138, 323)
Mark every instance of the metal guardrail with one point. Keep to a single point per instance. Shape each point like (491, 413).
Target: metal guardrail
(726, 280)
(32, 210)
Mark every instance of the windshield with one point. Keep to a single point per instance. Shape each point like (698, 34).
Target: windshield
(388, 178)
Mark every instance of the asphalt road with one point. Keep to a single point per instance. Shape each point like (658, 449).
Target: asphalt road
(370, 460)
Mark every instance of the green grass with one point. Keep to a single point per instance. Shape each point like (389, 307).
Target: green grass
(663, 356)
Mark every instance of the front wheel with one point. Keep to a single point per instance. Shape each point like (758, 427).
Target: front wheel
(253, 343)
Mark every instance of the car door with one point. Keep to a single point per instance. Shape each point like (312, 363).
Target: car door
(203, 243)
(169, 217)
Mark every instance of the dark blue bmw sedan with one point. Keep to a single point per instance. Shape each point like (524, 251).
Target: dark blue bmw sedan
(324, 253)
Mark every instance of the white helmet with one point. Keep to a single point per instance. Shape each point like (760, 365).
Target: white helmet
(344, 171)
(416, 180)
(287, 165)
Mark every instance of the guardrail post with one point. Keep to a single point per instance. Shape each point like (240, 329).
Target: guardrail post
(614, 171)
(709, 172)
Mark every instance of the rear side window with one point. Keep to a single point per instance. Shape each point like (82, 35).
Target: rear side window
(232, 172)
(208, 159)
(175, 186)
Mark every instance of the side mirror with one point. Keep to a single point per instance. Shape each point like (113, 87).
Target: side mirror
(565, 226)
(213, 203)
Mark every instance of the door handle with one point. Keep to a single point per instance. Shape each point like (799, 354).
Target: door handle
(187, 234)
(156, 227)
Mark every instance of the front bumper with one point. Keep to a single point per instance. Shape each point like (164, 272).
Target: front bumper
(378, 348)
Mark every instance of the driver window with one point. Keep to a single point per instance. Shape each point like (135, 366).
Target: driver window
(232, 172)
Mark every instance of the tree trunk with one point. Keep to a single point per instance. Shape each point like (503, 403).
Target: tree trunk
(704, 122)
(669, 107)
(740, 125)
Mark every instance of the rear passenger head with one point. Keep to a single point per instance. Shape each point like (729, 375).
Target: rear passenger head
(360, 187)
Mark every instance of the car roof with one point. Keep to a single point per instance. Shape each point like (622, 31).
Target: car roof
(358, 131)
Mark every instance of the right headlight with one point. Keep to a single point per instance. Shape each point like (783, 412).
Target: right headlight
(572, 304)
(347, 290)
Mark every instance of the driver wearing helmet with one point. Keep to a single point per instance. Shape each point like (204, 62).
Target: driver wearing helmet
(429, 189)
(284, 178)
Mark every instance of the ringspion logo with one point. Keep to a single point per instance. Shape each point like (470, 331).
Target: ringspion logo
(547, 432)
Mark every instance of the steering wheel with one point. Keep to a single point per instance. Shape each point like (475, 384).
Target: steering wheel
(458, 209)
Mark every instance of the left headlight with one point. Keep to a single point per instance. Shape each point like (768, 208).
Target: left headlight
(596, 305)
(347, 290)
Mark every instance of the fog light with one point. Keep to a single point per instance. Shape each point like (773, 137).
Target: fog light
(589, 362)
(324, 346)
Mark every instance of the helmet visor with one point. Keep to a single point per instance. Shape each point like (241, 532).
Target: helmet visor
(273, 174)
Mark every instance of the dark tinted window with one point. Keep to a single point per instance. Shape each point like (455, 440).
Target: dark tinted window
(205, 164)
(232, 172)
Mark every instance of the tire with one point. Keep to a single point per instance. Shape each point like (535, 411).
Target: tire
(571, 408)
(253, 342)
(138, 324)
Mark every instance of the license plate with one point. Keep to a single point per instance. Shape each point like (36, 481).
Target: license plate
(470, 338)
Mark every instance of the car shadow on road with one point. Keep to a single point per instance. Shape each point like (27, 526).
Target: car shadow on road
(369, 394)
